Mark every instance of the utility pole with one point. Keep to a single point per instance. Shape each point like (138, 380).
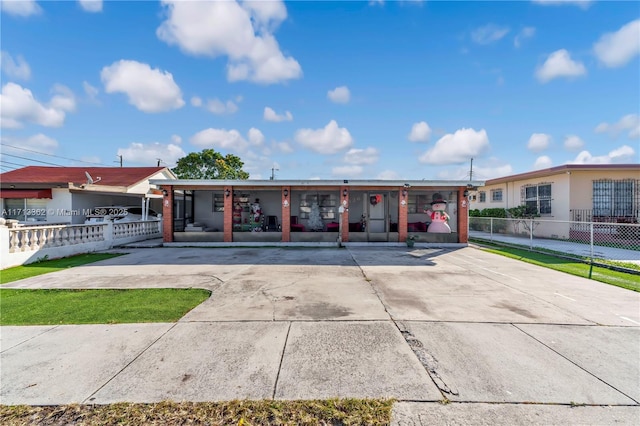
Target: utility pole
(119, 156)
(159, 161)
(273, 175)
(471, 171)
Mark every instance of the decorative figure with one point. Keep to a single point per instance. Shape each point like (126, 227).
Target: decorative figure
(237, 213)
(439, 217)
(315, 221)
(257, 216)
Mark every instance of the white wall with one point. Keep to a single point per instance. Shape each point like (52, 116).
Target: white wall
(59, 207)
(203, 210)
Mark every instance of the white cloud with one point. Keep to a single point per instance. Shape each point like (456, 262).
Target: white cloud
(271, 115)
(230, 140)
(457, 148)
(38, 142)
(17, 69)
(255, 137)
(196, 101)
(328, 140)
(582, 4)
(243, 33)
(21, 8)
(176, 139)
(63, 98)
(149, 90)
(488, 34)
(542, 162)
(339, 95)
(216, 106)
(361, 156)
(283, 147)
(559, 64)
(90, 91)
(630, 122)
(148, 154)
(347, 171)
(18, 105)
(525, 33)
(420, 132)
(624, 154)
(388, 175)
(539, 142)
(618, 48)
(91, 5)
(490, 171)
(573, 143)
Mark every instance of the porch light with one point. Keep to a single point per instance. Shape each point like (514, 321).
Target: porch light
(344, 193)
(227, 192)
(466, 193)
(165, 192)
(286, 193)
(404, 192)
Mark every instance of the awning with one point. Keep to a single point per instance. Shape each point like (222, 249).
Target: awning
(25, 193)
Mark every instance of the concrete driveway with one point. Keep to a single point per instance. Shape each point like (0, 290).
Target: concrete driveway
(503, 341)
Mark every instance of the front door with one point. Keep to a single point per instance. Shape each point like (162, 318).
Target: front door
(377, 216)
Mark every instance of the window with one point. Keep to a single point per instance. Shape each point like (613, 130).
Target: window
(482, 197)
(25, 209)
(615, 198)
(537, 198)
(496, 195)
(327, 204)
(418, 203)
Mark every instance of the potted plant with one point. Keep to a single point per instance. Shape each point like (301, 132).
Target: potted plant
(411, 240)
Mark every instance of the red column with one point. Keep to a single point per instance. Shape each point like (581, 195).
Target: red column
(286, 214)
(463, 216)
(345, 213)
(228, 214)
(403, 196)
(167, 214)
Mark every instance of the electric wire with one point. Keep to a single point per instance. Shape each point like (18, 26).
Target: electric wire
(51, 155)
(31, 159)
(12, 163)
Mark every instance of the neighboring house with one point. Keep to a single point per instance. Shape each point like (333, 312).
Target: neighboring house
(571, 192)
(66, 195)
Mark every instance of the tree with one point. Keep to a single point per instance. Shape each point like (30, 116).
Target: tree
(210, 164)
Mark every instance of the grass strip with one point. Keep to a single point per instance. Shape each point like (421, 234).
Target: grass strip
(602, 274)
(48, 307)
(45, 266)
(246, 413)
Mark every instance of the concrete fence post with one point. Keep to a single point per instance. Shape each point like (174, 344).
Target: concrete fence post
(108, 234)
(4, 244)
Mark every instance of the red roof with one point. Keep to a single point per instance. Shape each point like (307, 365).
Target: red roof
(25, 193)
(111, 176)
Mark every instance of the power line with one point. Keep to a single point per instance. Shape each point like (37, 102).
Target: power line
(57, 156)
(31, 159)
(12, 163)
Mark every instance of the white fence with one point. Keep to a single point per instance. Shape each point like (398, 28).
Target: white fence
(26, 244)
(595, 240)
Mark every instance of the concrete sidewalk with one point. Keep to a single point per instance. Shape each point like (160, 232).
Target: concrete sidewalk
(503, 342)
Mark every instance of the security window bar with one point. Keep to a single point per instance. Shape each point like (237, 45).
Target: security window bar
(483, 197)
(496, 195)
(615, 198)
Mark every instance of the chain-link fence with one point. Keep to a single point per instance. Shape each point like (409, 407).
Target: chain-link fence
(593, 240)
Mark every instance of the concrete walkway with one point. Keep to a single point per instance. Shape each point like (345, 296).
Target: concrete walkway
(503, 342)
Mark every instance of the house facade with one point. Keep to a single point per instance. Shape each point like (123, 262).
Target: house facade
(65, 195)
(571, 192)
(311, 210)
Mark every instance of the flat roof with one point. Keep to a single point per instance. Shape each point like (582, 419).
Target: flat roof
(318, 182)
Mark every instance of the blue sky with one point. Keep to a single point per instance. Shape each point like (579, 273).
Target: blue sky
(328, 90)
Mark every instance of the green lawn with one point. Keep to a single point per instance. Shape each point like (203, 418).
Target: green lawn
(44, 267)
(47, 307)
(574, 267)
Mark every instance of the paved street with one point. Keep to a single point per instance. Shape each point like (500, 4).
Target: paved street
(500, 341)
